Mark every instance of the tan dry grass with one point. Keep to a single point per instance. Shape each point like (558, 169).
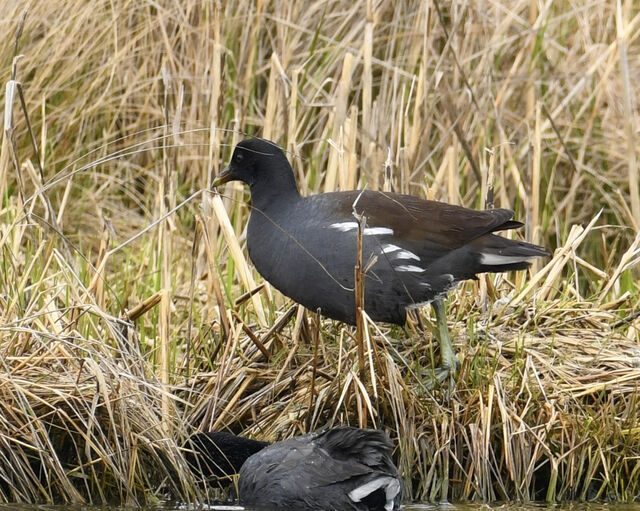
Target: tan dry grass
(133, 105)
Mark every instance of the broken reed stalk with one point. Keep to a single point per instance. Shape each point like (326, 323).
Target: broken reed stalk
(144, 306)
(367, 50)
(273, 100)
(217, 207)
(214, 280)
(252, 336)
(245, 296)
(197, 234)
(339, 117)
(314, 369)
(359, 298)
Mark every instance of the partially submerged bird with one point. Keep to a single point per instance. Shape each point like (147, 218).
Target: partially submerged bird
(340, 468)
(414, 250)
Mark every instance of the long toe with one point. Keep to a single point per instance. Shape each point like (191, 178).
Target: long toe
(446, 372)
(450, 362)
(440, 377)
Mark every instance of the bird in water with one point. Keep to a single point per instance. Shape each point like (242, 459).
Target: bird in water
(343, 468)
(413, 250)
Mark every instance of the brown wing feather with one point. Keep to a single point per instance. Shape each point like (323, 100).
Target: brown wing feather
(416, 220)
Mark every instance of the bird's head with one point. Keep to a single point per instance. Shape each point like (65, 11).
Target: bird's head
(254, 160)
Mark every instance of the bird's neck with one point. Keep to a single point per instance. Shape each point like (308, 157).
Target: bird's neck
(274, 194)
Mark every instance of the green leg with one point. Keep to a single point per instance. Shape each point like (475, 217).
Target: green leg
(449, 360)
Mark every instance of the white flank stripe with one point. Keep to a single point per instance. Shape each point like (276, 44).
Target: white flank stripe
(368, 231)
(344, 226)
(389, 248)
(410, 267)
(497, 259)
(405, 254)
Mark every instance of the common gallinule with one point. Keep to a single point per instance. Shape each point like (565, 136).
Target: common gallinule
(413, 250)
(339, 468)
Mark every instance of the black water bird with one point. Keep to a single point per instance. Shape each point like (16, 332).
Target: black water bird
(414, 250)
(341, 468)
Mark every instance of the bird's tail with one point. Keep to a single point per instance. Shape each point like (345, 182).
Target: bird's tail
(497, 254)
(391, 487)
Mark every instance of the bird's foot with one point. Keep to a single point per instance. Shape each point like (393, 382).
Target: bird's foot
(438, 377)
(450, 363)
(444, 372)
(448, 370)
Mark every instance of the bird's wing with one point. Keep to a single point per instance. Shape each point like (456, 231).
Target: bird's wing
(429, 228)
(303, 458)
(369, 447)
(418, 219)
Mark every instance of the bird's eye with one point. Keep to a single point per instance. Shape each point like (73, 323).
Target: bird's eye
(239, 157)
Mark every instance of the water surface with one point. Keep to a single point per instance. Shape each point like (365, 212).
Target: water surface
(571, 506)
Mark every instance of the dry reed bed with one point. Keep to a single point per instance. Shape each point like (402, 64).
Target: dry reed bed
(124, 323)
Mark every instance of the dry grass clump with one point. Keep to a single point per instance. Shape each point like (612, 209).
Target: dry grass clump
(79, 424)
(130, 316)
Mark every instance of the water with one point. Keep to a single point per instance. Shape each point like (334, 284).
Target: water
(571, 506)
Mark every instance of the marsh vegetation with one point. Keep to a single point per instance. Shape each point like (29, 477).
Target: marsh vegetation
(130, 315)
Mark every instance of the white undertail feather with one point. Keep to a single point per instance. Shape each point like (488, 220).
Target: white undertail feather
(498, 260)
(390, 484)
